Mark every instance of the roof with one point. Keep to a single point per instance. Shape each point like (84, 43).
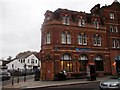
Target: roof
(24, 55)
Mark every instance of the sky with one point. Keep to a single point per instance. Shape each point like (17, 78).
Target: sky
(21, 20)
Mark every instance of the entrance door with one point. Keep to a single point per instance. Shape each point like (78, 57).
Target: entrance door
(92, 72)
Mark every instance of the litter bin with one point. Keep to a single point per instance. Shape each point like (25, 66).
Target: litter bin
(37, 75)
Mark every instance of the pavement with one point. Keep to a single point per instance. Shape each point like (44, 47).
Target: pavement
(31, 84)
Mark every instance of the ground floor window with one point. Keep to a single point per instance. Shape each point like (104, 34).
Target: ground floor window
(99, 63)
(83, 60)
(66, 63)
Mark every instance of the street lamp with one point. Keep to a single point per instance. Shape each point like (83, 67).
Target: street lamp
(18, 76)
(12, 74)
(25, 73)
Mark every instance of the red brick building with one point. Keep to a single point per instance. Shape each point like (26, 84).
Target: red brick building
(71, 40)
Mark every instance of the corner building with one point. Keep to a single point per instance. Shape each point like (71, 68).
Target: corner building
(72, 40)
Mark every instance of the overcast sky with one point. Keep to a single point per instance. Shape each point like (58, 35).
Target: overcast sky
(20, 21)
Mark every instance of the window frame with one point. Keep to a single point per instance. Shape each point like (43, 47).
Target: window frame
(112, 16)
(48, 38)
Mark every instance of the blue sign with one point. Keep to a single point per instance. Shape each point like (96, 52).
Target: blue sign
(83, 49)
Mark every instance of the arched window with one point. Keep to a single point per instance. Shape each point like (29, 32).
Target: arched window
(99, 63)
(66, 63)
(66, 20)
(82, 39)
(81, 22)
(66, 38)
(97, 40)
(83, 60)
(96, 23)
(48, 38)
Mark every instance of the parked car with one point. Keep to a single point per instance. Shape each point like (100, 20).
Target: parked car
(61, 75)
(5, 75)
(112, 83)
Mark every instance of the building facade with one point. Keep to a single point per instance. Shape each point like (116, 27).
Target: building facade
(72, 40)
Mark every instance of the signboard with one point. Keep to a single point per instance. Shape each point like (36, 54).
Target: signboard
(83, 49)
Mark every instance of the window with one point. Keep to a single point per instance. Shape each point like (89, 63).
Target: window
(82, 39)
(32, 61)
(97, 40)
(116, 43)
(98, 63)
(115, 29)
(96, 24)
(83, 60)
(66, 63)
(48, 38)
(36, 61)
(111, 28)
(28, 61)
(81, 22)
(47, 17)
(66, 38)
(66, 20)
(112, 16)
(23, 60)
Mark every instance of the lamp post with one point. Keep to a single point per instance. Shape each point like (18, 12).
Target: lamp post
(12, 74)
(18, 76)
(25, 73)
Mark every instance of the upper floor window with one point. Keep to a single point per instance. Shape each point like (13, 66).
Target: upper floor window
(66, 38)
(97, 40)
(28, 61)
(116, 43)
(66, 20)
(112, 16)
(32, 61)
(113, 29)
(48, 38)
(47, 17)
(96, 23)
(82, 39)
(81, 22)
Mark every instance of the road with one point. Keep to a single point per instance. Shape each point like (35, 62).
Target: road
(88, 86)
(21, 78)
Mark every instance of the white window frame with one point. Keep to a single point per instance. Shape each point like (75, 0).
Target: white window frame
(97, 40)
(112, 16)
(65, 38)
(66, 20)
(81, 22)
(96, 24)
(68, 38)
(82, 39)
(48, 37)
(111, 28)
(115, 28)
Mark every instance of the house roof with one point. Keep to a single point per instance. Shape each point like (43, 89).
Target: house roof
(24, 55)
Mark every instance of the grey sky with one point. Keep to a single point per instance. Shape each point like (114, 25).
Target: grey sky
(21, 21)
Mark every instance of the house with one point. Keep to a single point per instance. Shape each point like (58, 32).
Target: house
(3, 65)
(30, 62)
(15, 64)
